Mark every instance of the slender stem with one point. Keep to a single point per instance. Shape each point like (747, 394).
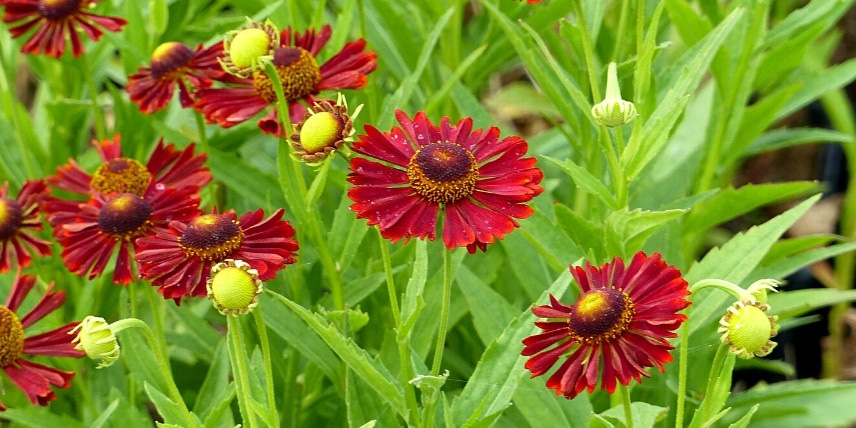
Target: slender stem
(390, 281)
(200, 129)
(100, 123)
(682, 370)
(404, 355)
(444, 312)
(640, 28)
(615, 170)
(159, 348)
(619, 140)
(266, 356)
(628, 410)
(239, 364)
(587, 50)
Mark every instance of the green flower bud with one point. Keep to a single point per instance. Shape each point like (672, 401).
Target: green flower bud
(747, 329)
(96, 338)
(613, 111)
(234, 287)
(248, 49)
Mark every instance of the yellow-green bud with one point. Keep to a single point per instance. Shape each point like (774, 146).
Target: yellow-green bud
(96, 338)
(747, 329)
(319, 131)
(613, 111)
(248, 45)
(234, 286)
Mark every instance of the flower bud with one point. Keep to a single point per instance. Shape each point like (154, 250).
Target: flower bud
(96, 338)
(234, 287)
(613, 111)
(247, 49)
(326, 129)
(747, 329)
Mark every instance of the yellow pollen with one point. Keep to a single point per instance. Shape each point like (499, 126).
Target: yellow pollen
(11, 337)
(121, 175)
(443, 172)
(298, 72)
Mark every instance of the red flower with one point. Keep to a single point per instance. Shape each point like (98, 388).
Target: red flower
(620, 322)
(179, 259)
(174, 64)
(302, 79)
(90, 232)
(34, 379)
(54, 19)
(481, 183)
(166, 166)
(19, 217)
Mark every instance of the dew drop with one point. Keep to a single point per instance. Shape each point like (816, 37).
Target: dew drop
(160, 186)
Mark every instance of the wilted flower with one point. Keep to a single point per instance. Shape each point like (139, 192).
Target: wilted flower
(618, 326)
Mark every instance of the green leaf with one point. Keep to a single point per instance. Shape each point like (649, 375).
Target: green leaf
(495, 378)
(583, 232)
(490, 311)
(255, 187)
(557, 249)
(784, 267)
(756, 119)
(539, 404)
(744, 421)
(370, 370)
(798, 403)
(644, 146)
(297, 334)
(105, 415)
(736, 259)
(211, 393)
(830, 79)
(157, 19)
(627, 231)
(643, 414)
(798, 21)
(794, 303)
(168, 409)
(586, 181)
(416, 284)
(787, 137)
(790, 246)
(731, 203)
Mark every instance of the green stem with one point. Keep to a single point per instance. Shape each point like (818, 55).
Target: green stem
(628, 410)
(100, 123)
(266, 356)
(682, 368)
(640, 28)
(159, 348)
(239, 366)
(587, 50)
(615, 170)
(404, 355)
(622, 29)
(444, 312)
(707, 412)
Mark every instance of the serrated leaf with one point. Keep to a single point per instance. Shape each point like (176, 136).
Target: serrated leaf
(370, 370)
(495, 378)
(289, 327)
(585, 181)
(736, 259)
(730, 203)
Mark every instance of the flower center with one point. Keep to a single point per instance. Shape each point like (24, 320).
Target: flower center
(248, 45)
(54, 10)
(233, 288)
(749, 328)
(169, 57)
(600, 315)
(297, 70)
(211, 237)
(10, 218)
(125, 216)
(443, 173)
(121, 175)
(11, 337)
